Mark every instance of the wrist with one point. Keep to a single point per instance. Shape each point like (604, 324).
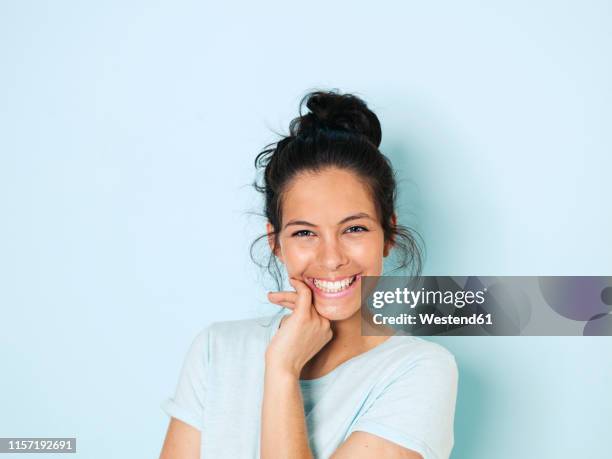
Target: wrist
(281, 372)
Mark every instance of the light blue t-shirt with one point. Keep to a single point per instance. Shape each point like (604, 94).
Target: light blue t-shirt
(403, 390)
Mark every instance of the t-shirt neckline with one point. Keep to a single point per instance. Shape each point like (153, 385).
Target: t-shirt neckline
(327, 377)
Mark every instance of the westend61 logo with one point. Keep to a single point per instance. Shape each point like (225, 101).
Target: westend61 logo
(487, 305)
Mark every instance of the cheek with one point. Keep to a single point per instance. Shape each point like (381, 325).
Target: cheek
(367, 251)
(297, 257)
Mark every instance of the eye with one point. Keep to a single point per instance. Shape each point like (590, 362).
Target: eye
(299, 233)
(361, 228)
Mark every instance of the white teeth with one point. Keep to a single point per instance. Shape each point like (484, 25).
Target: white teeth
(333, 287)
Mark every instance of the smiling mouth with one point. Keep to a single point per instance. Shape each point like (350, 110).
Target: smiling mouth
(334, 287)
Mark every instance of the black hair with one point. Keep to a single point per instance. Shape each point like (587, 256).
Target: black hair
(339, 131)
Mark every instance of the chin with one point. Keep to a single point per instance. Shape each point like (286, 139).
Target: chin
(335, 310)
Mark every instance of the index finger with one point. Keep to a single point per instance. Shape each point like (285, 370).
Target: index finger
(276, 297)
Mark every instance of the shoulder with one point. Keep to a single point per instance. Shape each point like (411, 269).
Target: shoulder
(421, 347)
(253, 324)
(234, 333)
(413, 400)
(412, 353)
(252, 328)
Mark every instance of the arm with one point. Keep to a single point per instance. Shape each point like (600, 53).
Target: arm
(302, 334)
(363, 445)
(182, 441)
(284, 431)
(186, 409)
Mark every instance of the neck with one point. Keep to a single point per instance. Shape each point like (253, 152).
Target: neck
(347, 342)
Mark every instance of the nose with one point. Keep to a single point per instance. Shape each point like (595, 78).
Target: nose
(332, 255)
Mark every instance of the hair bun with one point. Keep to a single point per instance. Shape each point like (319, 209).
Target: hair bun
(335, 111)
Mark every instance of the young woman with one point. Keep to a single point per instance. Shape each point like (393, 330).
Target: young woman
(306, 383)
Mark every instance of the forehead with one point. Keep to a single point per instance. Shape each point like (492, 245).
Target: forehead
(330, 193)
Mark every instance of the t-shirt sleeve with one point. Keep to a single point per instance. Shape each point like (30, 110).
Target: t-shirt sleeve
(188, 402)
(416, 409)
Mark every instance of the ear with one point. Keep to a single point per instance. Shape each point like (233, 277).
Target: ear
(276, 251)
(389, 245)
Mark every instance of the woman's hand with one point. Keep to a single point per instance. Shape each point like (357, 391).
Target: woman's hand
(302, 333)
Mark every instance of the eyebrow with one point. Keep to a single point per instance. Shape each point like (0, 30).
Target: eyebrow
(344, 220)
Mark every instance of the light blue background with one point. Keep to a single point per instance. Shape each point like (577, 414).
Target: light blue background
(128, 131)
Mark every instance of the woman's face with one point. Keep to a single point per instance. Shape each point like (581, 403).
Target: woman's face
(329, 238)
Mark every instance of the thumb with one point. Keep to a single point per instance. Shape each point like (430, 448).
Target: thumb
(303, 304)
